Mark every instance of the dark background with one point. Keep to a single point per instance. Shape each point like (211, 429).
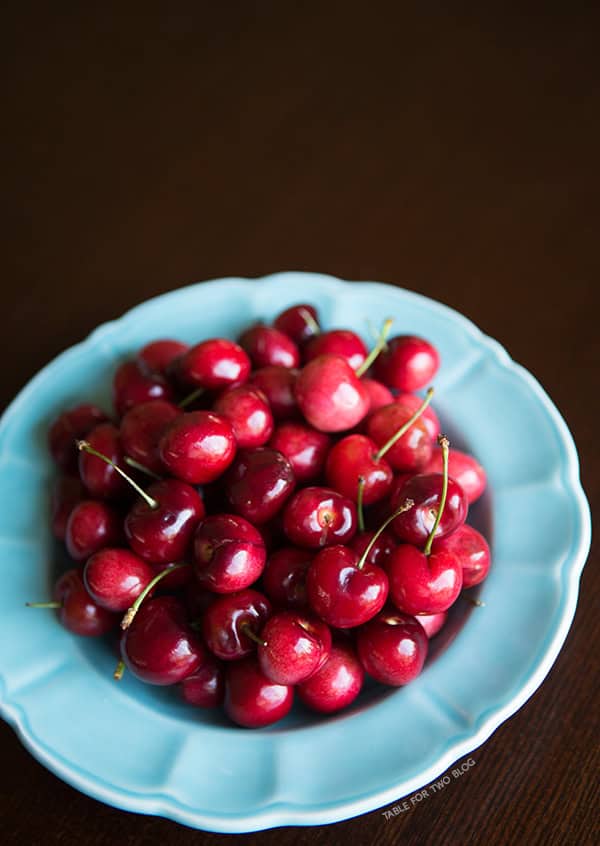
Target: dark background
(454, 154)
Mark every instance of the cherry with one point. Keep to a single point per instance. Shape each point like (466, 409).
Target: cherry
(101, 478)
(77, 611)
(336, 684)
(68, 428)
(284, 577)
(409, 451)
(353, 458)
(198, 446)
(178, 577)
(305, 448)
(249, 413)
(340, 342)
(472, 551)
(159, 647)
(381, 549)
(67, 491)
(267, 346)
(229, 553)
(429, 418)
(464, 469)
(141, 429)
(251, 700)
(330, 395)
(426, 489)
(197, 598)
(277, 384)
(407, 364)
(205, 688)
(258, 484)
(115, 577)
(134, 383)
(159, 355)
(432, 623)
(214, 364)
(231, 624)
(299, 322)
(378, 394)
(295, 645)
(92, 525)
(316, 517)
(392, 648)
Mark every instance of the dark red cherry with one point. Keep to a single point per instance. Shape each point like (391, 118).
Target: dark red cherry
(232, 623)
(249, 413)
(92, 525)
(330, 395)
(115, 577)
(205, 688)
(68, 428)
(304, 447)
(411, 451)
(472, 551)
(316, 517)
(163, 533)
(159, 647)
(407, 364)
(258, 484)
(277, 384)
(76, 609)
(353, 458)
(284, 577)
(392, 648)
(463, 468)
(141, 430)
(336, 684)
(67, 491)
(378, 394)
(380, 550)
(423, 584)
(101, 479)
(198, 446)
(425, 489)
(251, 700)
(432, 623)
(267, 347)
(299, 322)
(295, 644)
(197, 598)
(229, 553)
(214, 364)
(340, 342)
(135, 383)
(429, 417)
(159, 355)
(178, 578)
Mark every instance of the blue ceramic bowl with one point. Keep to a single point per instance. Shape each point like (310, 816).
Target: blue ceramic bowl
(140, 748)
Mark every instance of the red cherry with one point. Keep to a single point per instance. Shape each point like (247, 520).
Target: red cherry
(340, 342)
(267, 346)
(429, 417)
(464, 469)
(66, 493)
(407, 364)
(423, 584)
(379, 552)
(251, 700)
(295, 645)
(159, 355)
(330, 395)
(115, 578)
(198, 446)
(159, 647)
(249, 413)
(229, 553)
(299, 322)
(214, 364)
(432, 623)
(205, 688)
(336, 684)
(258, 484)
(354, 458)
(231, 624)
(135, 383)
(277, 384)
(141, 430)
(76, 609)
(178, 578)
(414, 525)
(413, 449)
(67, 429)
(284, 577)
(316, 517)
(392, 648)
(100, 478)
(378, 394)
(92, 525)
(305, 448)
(472, 551)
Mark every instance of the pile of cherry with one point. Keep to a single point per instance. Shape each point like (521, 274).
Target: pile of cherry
(266, 517)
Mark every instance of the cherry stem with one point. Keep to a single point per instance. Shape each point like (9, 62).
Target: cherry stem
(359, 503)
(379, 346)
(131, 612)
(118, 671)
(408, 504)
(445, 445)
(245, 627)
(473, 601)
(404, 429)
(191, 398)
(310, 321)
(43, 604)
(84, 446)
(137, 466)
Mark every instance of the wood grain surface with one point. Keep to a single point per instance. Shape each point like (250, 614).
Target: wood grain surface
(452, 153)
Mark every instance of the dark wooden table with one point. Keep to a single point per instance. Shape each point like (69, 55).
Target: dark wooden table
(456, 155)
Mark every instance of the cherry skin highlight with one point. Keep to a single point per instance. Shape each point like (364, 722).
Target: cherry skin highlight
(248, 411)
(330, 395)
(198, 446)
(141, 430)
(115, 577)
(269, 347)
(408, 364)
(472, 551)
(432, 623)
(258, 484)
(92, 525)
(229, 553)
(336, 684)
(68, 428)
(295, 645)
(251, 700)
(316, 517)
(232, 623)
(392, 648)
(304, 447)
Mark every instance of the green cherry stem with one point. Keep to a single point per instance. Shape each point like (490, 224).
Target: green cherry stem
(43, 604)
(310, 321)
(404, 429)
(249, 633)
(359, 503)
(118, 671)
(408, 503)
(137, 466)
(445, 445)
(191, 398)
(131, 612)
(84, 446)
(379, 346)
